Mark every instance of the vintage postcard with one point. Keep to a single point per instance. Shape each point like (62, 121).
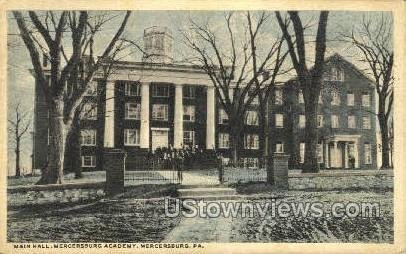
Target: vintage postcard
(202, 127)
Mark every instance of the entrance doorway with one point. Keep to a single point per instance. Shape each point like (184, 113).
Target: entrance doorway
(159, 138)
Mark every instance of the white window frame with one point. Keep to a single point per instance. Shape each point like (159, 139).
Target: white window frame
(279, 147)
(251, 117)
(128, 88)
(223, 117)
(320, 121)
(189, 111)
(335, 123)
(132, 111)
(352, 122)
(302, 149)
(189, 92)
(302, 121)
(278, 96)
(187, 136)
(224, 140)
(366, 122)
(366, 100)
(336, 100)
(127, 137)
(155, 112)
(92, 161)
(92, 89)
(350, 99)
(89, 111)
(319, 153)
(155, 89)
(367, 154)
(92, 137)
(251, 141)
(279, 121)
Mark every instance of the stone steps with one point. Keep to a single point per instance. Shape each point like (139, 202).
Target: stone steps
(208, 193)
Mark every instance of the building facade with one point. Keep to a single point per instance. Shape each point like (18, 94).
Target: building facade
(142, 106)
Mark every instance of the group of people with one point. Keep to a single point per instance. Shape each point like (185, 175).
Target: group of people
(184, 158)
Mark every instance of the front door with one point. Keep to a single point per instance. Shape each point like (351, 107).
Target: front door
(159, 139)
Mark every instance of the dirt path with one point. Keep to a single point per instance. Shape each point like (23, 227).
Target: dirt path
(201, 230)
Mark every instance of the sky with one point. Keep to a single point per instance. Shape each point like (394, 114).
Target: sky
(21, 83)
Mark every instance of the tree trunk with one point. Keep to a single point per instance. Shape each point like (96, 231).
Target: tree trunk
(17, 151)
(72, 151)
(310, 160)
(53, 172)
(383, 123)
(234, 148)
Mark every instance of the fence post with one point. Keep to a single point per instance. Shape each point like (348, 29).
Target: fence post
(114, 165)
(280, 170)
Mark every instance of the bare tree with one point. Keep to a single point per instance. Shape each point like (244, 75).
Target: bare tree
(373, 38)
(309, 79)
(19, 124)
(63, 92)
(237, 68)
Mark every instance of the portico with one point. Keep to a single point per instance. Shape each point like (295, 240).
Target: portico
(341, 151)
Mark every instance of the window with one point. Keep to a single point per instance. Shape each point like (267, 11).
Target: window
(92, 89)
(279, 120)
(224, 140)
(251, 141)
(89, 111)
(301, 98)
(320, 101)
(189, 113)
(334, 121)
(367, 153)
(160, 91)
(189, 92)
(320, 121)
(302, 152)
(335, 98)
(350, 99)
(131, 137)
(319, 153)
(365, 100)
(251, 117)
(279, 147)
(278, 97)
(302, 121)
(132, 89)
(189, 138)
(335, 75)
(88, 137)
(89, 161)
(251, 162)
(366, 122)
(132, 111)
(223, 117)
(160, 112)
(351, 122)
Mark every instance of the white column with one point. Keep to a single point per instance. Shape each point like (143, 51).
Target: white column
(109, 115)
(211, 119)
(326, 159)
(335, 155)
(178, 118)
(144, 131)
(346, 155)
(356, 155)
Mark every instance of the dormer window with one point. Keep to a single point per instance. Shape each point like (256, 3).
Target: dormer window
(334, 74)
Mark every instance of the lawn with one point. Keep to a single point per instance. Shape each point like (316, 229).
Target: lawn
(124, 220)
(310, 229)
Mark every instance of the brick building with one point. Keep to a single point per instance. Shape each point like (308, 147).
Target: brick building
(156, 103)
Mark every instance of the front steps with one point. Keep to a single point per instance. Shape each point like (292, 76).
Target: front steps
(208, 193)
